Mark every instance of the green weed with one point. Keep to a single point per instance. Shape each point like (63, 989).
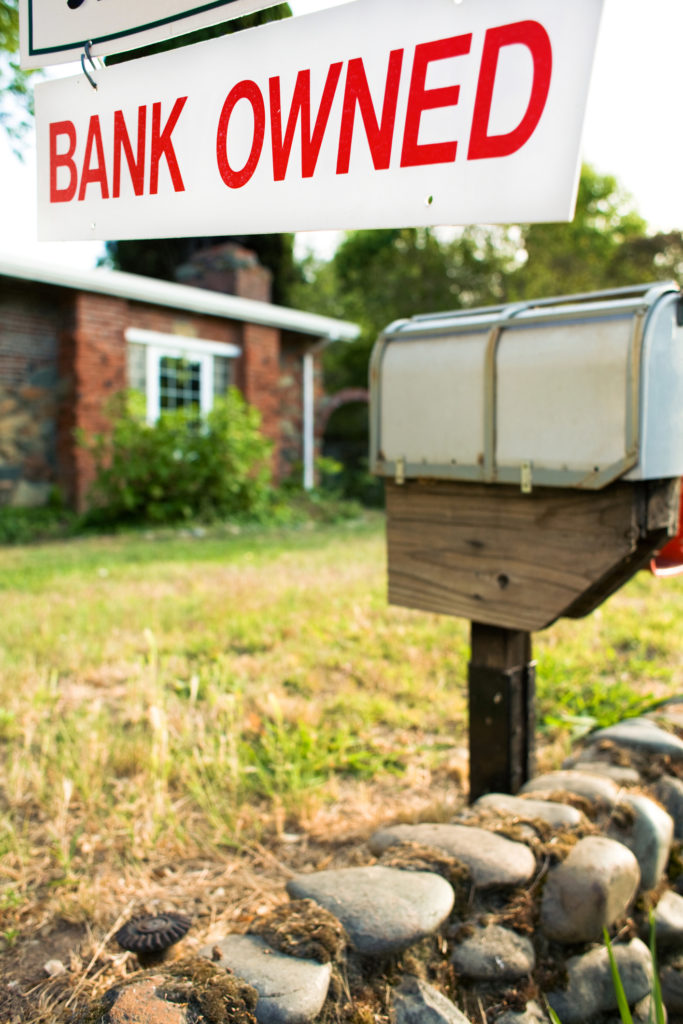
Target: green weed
(657, 1014)
(9, 937)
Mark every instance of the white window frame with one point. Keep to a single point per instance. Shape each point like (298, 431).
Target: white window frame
(178, 346)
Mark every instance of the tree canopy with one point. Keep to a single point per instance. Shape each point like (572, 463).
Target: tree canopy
(588, 252)
(15, 97)
(376, 277)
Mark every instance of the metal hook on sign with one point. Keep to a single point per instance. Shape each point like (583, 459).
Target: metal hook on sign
(88, 54)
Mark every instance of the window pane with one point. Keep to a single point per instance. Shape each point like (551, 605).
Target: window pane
(137, 377)
(221, 375)
(179, 383)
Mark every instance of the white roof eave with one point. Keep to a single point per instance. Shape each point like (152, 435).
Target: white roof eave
(180, 296)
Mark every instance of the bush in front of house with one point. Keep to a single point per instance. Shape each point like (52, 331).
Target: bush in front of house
(48, 522)
(181, 467)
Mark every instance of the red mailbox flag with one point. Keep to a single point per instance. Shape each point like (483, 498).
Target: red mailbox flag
(669, 561)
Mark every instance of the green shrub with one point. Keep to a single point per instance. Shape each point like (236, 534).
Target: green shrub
(48, 522)
(181, 467)
(25, 525)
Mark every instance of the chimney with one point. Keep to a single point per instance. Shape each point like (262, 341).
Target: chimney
(228, 268)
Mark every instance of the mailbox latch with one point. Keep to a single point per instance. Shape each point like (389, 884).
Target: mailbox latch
(526, 482)
(400, 471)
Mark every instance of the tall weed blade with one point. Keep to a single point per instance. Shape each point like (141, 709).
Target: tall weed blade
(656, 1004)
(622, 1002)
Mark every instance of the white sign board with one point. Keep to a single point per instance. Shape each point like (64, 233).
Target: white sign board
(56, 31)
(378, 113)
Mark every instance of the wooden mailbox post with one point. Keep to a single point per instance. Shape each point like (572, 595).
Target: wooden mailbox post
(533, 456)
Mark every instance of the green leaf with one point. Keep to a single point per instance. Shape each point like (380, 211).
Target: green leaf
(622, 1002)
(657, 1015)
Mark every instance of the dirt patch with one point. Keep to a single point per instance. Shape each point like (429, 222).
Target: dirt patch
(224, 893)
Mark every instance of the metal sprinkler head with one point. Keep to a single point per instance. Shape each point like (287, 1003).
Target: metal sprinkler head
(151, 936)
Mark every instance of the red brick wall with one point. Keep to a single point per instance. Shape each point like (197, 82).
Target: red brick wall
(259, 371)
(171, 321)
(98, 373)
(64, 354)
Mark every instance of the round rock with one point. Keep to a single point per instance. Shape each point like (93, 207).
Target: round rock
(142, 1001)
(494, 953)
(532, 1014)
(588, 892)
(596, 788)
(642, 734)
(529, 810)
(416, 1002)
(672, 986)
(642, 1012)
(291, 990)
(648, 831)
(669, 791)
(622, 775)
(492, 859)
(669, 921)
(382, 909)
(590, 989)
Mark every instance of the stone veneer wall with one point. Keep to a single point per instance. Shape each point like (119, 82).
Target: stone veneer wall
(31, 321)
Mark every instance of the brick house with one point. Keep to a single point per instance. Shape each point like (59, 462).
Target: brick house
(70, 338)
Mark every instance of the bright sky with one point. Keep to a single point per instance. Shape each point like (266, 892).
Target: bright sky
(632, 130)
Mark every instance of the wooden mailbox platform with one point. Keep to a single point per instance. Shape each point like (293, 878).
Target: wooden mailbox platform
(513, 563)
(497, 556)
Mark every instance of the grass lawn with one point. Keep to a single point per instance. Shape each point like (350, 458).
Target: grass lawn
(184, 720)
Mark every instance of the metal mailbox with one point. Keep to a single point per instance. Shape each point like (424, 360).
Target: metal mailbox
(571, 392)
(532, 452)
(532, 455)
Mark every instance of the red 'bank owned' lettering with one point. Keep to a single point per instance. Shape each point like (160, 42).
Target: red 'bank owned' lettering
(151, 142)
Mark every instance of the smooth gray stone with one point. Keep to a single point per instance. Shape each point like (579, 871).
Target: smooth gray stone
(493, 953)
(620, 774)
(590, 989)
(669, 921)
(492, 859)
(671, 978)
(533, 1014)
(383, 909)
(416, 1002)
(591, 787)
(528, 809)
(649, 836)
(669, 791)
(640, 1013)
(588, 891)
(641, 734)
(291, 990)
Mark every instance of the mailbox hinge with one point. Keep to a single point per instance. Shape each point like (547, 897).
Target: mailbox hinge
(526, 481)
(400, 471)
